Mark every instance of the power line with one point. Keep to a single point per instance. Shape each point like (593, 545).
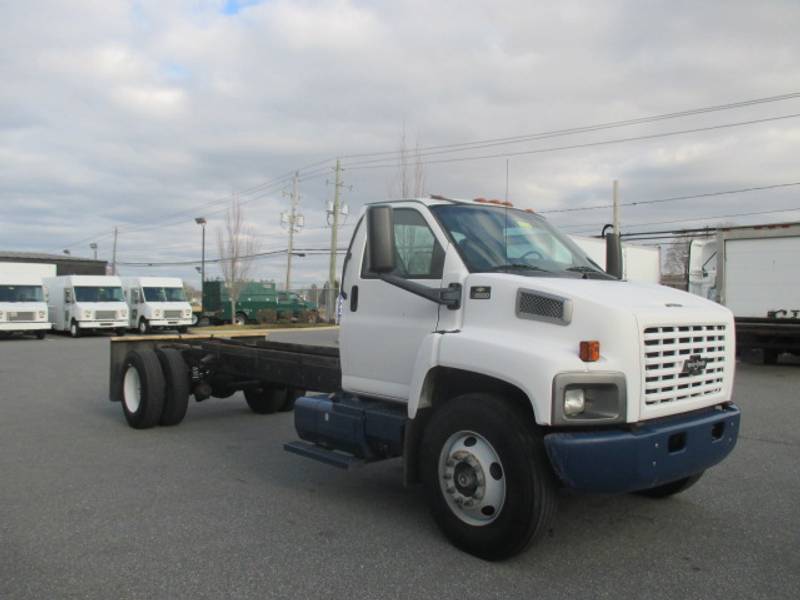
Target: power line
(476, 144)
(673, 198)
(365, 165)
(258, 255)
(746, 214)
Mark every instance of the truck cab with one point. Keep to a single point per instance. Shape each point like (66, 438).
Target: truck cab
(85, 303)
(157, 303)
(22, 305)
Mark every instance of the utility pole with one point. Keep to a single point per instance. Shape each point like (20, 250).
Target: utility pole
(202, 222)
(114, 254)
(293, 221)
(333, 216)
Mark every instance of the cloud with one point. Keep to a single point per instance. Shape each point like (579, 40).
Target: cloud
(135, 115)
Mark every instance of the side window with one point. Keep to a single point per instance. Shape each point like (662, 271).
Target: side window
(417, 253)
(67, 295)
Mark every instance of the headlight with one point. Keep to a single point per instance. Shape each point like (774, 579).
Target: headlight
(574, 402)
(41, 314)
(583, 398)
(187, 313)
(157, 313)
(123, 314)
(87, 314)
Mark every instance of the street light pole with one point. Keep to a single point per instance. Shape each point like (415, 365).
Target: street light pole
(93, 246)
(202, 222)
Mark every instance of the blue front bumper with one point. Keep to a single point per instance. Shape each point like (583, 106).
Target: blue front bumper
(654, 453)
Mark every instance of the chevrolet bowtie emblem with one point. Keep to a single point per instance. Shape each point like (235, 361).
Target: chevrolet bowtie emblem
(695, 364)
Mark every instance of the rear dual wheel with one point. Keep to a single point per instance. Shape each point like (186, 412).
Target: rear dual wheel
(155, 388)
(268, 399)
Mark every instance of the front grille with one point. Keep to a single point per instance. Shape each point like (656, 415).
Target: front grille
(104, 315)
(667, 350)
(543, 307)
(21, 316)
(172, 314)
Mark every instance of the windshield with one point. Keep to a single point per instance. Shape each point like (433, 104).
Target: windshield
(21, 293)
(98, 294)
(164, 294)
(497, 239)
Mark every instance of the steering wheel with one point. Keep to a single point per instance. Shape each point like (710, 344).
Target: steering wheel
(536, 253)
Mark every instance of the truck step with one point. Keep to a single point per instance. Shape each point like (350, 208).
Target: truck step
(329, 457)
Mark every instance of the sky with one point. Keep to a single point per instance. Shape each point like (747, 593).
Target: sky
(144, 115)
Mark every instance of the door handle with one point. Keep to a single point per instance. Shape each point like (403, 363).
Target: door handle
(354, 298)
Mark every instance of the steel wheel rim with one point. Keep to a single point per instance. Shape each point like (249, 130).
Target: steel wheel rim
(142, 327)
(132, 389)
(472, 478)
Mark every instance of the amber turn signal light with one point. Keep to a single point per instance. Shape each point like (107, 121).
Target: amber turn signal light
(590, 351)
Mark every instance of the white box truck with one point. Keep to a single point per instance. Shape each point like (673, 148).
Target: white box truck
(84, 303)
(753, 271)
(480, 346)
(640, 263)
(22, 304)
(157, 303)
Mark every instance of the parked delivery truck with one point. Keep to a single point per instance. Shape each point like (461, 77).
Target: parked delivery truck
(481, 347)
(22, 305)
(157, 303)
(753, 271)
(83, 303)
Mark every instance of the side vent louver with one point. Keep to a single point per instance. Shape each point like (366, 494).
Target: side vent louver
(543, 307)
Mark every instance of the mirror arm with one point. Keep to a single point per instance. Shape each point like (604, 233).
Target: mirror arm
(449, 297)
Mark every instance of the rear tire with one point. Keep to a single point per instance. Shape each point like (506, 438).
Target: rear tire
(770, 356)
(142, 389)
(487, 478)
(177, 386)
(292, 394)
(265, 400)
(672, 488)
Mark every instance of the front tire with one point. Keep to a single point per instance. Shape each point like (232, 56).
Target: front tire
(144, 327)
(74, 330)
(672, 488)
(488, 482)
(142, 389)
(240, 320)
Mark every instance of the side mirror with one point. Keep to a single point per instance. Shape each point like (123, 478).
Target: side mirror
(380, 239)
(614, 255)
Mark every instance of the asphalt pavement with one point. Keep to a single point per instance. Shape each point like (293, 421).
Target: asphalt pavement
(214, 508)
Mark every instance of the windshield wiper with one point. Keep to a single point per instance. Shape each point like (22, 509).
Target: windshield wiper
(586, 270)
(517, 266)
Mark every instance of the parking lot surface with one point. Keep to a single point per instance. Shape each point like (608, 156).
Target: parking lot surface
(214, 508)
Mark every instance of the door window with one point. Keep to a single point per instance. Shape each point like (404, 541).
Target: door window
(417, 253)
(67, 295)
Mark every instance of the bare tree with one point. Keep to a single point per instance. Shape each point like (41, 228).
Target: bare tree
(410, 179)
(676, 258)
(235, 243)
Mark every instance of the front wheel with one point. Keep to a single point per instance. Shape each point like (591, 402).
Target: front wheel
(74, 330)
(240, 320)
(144, 326)
(488, 482)
(672, 488)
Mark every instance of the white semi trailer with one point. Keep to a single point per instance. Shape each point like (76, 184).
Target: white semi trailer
(485, 350)
(22, 304)
(82, 303)
(753, 271)
(157, 303)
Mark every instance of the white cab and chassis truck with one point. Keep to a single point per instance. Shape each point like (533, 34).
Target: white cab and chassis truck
(157, 303)
(84, 303)
(753, 272)
(22, 305)
(480, 346)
